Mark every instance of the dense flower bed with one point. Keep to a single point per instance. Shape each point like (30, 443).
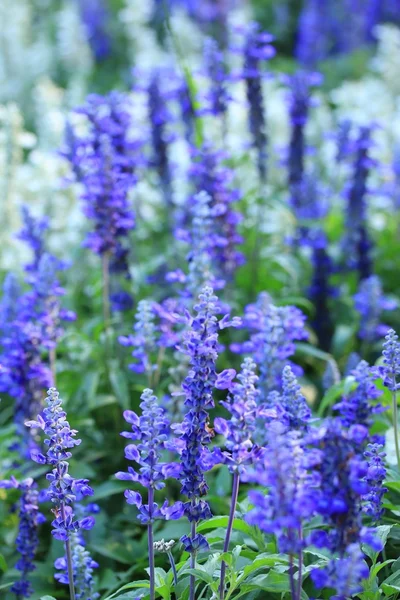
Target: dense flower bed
(200, 237)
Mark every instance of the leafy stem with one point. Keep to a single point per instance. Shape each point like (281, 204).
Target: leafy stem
(235, 492)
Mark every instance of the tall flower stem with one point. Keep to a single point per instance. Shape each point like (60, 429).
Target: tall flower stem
(192, 563)
(52, 360)
(173, 567)
(291, 578)
(235, 492)
(396, 424)
(105, 259)
(151, 544)
(300, 573)
(68, 555)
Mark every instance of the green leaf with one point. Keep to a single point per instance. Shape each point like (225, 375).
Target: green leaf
(109, 488)
(375, 570)
(268, 561)
(46, 597)
(3, 564)
(222, 521)
(119, 385)
(272, 582)
(382, 533)
(200, 575)
(308, 350)
(129, 586)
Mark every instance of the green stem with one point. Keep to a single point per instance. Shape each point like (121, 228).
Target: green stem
(235, 492)
(300, 573)
(151, 544)
(52, 360)
(105, 260)
(192, 564)
(69, 559)
(396, 423)
(173, 567)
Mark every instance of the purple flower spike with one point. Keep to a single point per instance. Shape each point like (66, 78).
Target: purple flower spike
(151, 430)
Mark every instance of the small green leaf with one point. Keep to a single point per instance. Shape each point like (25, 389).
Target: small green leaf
(201, 575)
(129, 586)
(3, 564)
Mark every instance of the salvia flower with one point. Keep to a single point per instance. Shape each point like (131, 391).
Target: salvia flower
(257, 49)
(343, 141)
(9, 302)
(212, 176)
(144, 340)
(107, 158)
(294, 410)
(43, 302)
(356, 244)
(204, 241)
(95, 16)
(218, 97)
(312, 39)
(201, 346)
(273, 332)
(299, 101)
(375, 477)
(239, 430)
(160, 116)
(370, 303)
(320, 291)
(27, 539)
(83, 566)
(63, 488)
(360, 404)
(33, 233)
(24, 375)
(291, 494)
(187, 108)
(343, 574)
(390, 369)
(342, 472)
(151, 431)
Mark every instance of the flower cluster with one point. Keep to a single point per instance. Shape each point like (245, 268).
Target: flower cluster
(201, 345)
(160, 116)
(33, 233)
(345, 481)
(272, 343)
(370, 303)
(343, 574)
(95, 15)
(27, 539)
(212, 176)
(358, 406)
(376, 475)
(203, 240)
(292, 408)
(144, 340)
(105, 162)
(390, 370)
(63, 489)
(357, 244)
(291, 496)
(320, 291)
(299, 100)
(218, 96)
(342, 474)
(32, 327)
(257, 49)
(239, 430)
(151, 431)
(83, 566)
